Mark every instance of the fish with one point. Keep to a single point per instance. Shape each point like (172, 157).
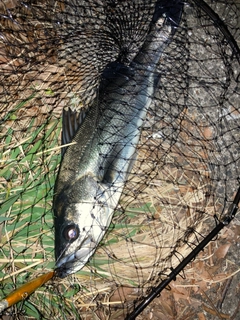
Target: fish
(95, 167)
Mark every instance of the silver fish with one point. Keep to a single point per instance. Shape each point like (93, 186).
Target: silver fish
(94, 170)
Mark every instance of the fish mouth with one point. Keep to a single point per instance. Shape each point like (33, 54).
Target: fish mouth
(76, 260)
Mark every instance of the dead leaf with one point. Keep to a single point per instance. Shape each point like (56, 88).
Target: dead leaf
(167, 303)
(222, 251)
(180, 293)
(201, 316)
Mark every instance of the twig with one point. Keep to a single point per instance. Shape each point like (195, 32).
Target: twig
(224, 292)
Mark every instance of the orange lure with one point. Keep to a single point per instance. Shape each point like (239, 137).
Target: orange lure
(24, 291)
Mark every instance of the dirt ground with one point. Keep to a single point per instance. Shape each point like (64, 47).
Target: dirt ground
(211, 287)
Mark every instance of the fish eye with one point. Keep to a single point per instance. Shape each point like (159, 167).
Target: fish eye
(71, 232)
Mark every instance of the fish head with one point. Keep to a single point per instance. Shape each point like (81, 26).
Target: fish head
(82, 214)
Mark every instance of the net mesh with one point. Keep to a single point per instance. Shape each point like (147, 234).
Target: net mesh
(52, 55)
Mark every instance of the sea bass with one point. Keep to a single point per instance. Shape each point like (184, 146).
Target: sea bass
(94, 170)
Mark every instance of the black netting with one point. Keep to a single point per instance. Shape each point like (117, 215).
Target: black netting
(52, 56)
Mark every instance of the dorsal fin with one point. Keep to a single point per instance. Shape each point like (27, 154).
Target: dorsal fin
(71, 122)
